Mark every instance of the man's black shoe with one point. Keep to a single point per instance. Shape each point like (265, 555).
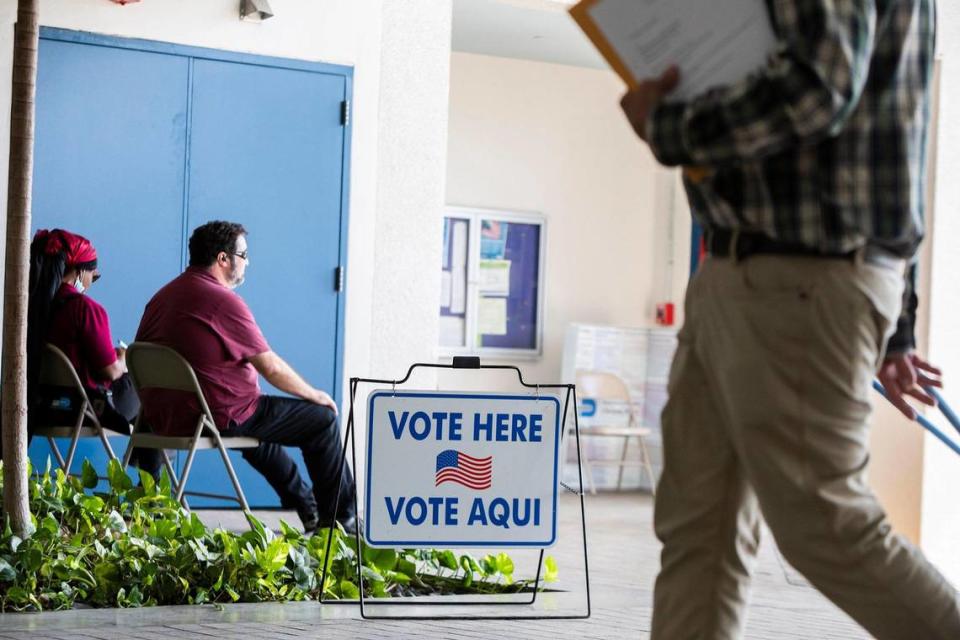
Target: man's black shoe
(310, 520)
(349, 525)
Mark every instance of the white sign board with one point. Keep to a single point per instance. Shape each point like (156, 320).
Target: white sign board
(461, 469)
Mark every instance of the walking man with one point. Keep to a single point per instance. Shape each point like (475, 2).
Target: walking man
(808, 178)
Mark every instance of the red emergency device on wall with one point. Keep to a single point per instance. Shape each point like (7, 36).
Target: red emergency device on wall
(665, 314)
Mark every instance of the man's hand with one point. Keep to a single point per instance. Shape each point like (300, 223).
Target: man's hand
(323, 399)
(639, 103)
(906, 374)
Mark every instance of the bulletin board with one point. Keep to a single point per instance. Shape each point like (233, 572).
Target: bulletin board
(492, 277)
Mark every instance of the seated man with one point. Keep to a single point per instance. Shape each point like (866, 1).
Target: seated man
(199, 316)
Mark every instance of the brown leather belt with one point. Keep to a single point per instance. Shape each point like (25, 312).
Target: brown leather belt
(723, 243)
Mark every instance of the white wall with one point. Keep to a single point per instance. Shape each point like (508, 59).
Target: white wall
(413, 139)
(532, 136)
(940, 528)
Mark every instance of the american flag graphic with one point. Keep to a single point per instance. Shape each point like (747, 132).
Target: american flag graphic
(454, 466)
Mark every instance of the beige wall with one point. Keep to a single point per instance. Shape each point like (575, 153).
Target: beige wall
(531, 136)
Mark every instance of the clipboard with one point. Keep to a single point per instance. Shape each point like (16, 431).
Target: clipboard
(581, 14)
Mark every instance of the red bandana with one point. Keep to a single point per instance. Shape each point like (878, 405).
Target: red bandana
(78, 249)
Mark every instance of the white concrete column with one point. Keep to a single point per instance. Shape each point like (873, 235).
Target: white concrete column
(407, 241)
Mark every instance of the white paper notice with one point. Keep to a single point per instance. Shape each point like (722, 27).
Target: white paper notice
(714, 43)
(495, 277)
(492, 316)
(445, 281)
(458, 267)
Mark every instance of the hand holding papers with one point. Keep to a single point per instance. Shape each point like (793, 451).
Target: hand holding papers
(713, 43)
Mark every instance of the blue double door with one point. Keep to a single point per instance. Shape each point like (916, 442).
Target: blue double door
(138, 143)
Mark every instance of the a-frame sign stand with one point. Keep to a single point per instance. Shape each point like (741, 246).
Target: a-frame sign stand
(570, 393)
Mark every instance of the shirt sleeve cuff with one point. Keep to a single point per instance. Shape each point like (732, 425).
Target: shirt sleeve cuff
(903, 340)
(665, 134)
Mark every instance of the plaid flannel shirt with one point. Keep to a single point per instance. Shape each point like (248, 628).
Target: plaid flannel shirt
(826, 146)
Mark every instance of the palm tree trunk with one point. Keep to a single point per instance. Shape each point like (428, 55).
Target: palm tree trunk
(15, 497)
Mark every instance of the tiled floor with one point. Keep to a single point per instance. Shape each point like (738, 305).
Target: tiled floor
(623, 563)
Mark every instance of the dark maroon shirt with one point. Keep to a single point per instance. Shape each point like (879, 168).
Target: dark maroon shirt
(212, 327)
(80, 328)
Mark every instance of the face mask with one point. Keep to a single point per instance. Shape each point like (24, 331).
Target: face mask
(78, 284)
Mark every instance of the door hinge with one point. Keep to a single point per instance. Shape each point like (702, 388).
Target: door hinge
(338, 277)
(345, 113)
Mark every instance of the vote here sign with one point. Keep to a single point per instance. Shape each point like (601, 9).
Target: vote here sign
(461, 469)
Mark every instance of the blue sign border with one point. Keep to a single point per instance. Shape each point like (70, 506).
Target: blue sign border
(461, 543)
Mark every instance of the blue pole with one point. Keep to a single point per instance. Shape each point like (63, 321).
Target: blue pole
(945, 408)
(929, 426)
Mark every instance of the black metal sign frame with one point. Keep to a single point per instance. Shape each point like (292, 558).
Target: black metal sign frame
(462, 362)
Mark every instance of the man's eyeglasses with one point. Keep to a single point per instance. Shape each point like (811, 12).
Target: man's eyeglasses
(241, 254)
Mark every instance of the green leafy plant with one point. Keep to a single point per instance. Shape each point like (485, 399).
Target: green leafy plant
(136, 546)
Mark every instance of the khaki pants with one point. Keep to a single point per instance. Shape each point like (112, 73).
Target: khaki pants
(769, 400)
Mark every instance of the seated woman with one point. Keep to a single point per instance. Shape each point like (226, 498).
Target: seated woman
(63, 266)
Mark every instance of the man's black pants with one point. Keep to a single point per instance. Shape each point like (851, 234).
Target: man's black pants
(313, 428)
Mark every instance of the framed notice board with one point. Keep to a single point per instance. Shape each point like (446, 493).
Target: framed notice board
(491, 299)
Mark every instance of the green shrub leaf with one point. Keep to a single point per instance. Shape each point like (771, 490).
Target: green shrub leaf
(551, 573)
(7, 573)
(89, 475)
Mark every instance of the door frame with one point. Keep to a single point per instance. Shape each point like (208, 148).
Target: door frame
(203, 53)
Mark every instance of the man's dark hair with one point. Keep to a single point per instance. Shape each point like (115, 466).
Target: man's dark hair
(208, 240)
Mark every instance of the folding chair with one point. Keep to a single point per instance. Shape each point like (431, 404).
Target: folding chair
(153, 366)
(601, 386)
(56, 370)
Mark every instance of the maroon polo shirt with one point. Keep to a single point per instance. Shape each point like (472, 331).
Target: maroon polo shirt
(80, 328)
(212, 327)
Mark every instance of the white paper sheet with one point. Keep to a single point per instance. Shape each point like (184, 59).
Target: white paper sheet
(458, 268)
(495, 277)
(715, 43)
(492, 316)
(445, 286)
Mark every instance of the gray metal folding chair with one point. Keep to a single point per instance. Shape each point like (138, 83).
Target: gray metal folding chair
(153, 366)
(56, 370)
(603, 386)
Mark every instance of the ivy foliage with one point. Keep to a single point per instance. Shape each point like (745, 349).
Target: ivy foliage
(136, 546)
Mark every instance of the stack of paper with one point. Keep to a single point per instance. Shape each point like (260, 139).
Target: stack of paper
(713, 43)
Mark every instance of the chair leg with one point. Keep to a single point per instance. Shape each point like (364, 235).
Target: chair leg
(645, 457)
(75, 440)
(173, 478)
(106, 443)
(233, 477)
(591, 486)
(623, 462)
(186, 469)
(57, 454)
(127, 454)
